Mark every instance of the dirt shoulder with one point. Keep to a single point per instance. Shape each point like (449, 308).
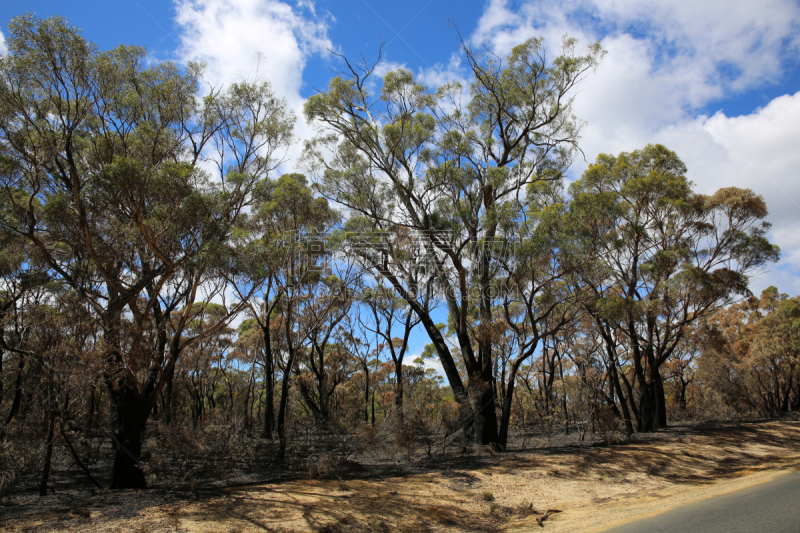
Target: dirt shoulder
(594, 487)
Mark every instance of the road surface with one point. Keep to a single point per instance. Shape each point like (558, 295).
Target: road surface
(771, 507)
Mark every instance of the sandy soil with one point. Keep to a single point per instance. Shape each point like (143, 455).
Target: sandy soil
(594, 487)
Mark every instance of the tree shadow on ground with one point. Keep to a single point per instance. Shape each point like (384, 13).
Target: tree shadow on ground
(730, 449)
(427, 495)
(354, 506)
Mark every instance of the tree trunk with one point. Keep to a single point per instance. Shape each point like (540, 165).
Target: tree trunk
(48, 450)
(373, 407)
(563, 394)
(484, 424)
(630, 397)
(168, 398)
(366, 395)
(282, 408)
(130, 419)
(269, 385)
(2, 357)
(398, 391)
(659, 400)
(652, 405)
(92, 407)
(645, 422)
(269, 401)
(15, 402)
(505, 417)
(623, 403)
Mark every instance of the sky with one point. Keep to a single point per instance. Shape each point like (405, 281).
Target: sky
(716, 81)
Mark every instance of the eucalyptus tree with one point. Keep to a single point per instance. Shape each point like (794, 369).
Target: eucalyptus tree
(252, 129)
(286, 265)
(534, 287)
(666, 256)
(386, 311)
(107, 190)
(258, 278)
(355, 338)
(615, 355)
(275, 259)
(19, 280)
(328, 363)
(249, 350)
(750, 355)
(420, 162)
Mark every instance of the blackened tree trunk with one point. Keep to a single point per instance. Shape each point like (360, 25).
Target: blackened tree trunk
(631, 396)
(169, 398)
(92, 407)
(269, 399)
(287, 373)
(249, 399)
(646, 421)
(130, 413)
(652, 414)
(269, 383)
(373, 407)
(48, 449)
(398, 390)
(652, 408)
(17, 399)
(508, 399)
(485, 430)
(282, 407)
(366, 395)
(659, 399)
(623, 403)
(2, 357)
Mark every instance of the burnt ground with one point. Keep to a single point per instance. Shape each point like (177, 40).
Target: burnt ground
(592, 483)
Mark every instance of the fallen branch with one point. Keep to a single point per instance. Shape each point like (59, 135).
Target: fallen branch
(77, 459)
(545, 515)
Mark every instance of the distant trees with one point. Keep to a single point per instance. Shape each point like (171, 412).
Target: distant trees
(385, 310)
(751, 354)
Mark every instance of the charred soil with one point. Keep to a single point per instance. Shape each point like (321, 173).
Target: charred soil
(593, 485)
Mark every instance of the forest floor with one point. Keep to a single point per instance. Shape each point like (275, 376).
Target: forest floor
(594, 487)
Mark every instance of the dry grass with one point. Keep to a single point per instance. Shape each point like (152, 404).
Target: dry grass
(595, 487)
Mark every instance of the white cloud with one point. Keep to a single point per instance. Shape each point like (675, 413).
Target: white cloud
(431, 363)
(3, 47)
(753, 36)
(756, 151)
(440, 74)
(667, 60)
(229, 35)
(434, 364)
(663, 62)
(735, 43)
(382, 68)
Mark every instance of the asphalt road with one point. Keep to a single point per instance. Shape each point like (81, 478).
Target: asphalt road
(771, 507)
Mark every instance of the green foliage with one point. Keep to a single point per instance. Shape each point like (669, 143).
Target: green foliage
(654, 234)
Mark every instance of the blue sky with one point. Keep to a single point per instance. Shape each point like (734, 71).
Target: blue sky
(418, 33)
(718, 81)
